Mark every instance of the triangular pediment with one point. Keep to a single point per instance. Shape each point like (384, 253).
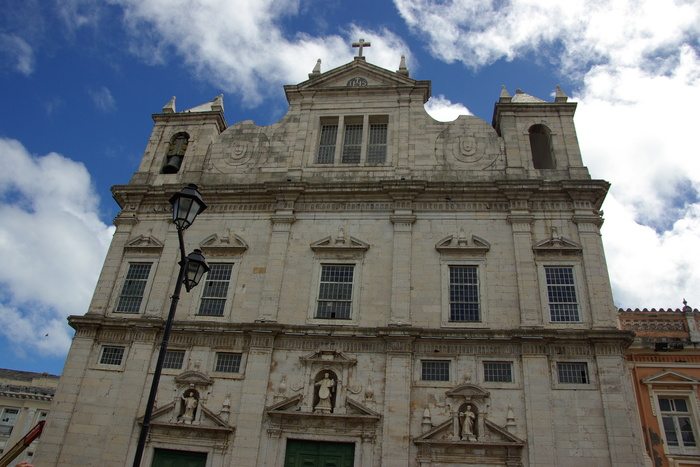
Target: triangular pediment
(443, 433)
(460, 243)
(144, 244)
(166, 416)
(328, 356)
(358, 75)
(340, 243)
(227, 244)
(671, 377)
(557, 245)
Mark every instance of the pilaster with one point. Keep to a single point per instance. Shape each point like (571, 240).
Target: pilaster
(397, 402)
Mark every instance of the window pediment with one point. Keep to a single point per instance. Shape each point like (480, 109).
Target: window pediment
(224, 245)
(671, 377)
(341, 244)
(557, 245)
(460, 244)
(144, 244)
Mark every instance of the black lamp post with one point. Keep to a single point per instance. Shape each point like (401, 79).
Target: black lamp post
(187, 204)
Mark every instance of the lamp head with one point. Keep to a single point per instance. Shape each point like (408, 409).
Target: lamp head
(187, 204)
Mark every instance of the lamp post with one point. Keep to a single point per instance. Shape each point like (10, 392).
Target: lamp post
(187, 204)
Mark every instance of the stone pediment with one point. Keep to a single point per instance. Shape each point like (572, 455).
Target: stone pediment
(167, 415)
(225, 245)
(461, 244)
(144, 244)
(468, 392)
(193, 378)
(671, 377)
(360, 76)
(557, 245)
(443, 434)
(328, 357)
(340, 244)
(292, 406)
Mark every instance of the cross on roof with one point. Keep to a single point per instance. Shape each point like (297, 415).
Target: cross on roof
(361, 44)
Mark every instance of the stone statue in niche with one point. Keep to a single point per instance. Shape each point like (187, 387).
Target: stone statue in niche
(468, 419)
(326, 387)
(189, 405)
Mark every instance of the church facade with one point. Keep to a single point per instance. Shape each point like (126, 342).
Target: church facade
(385, 290)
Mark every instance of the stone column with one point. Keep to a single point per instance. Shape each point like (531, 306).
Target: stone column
(250, 414)
(401, 269)
(397, 406)
(526, 270)
(538, 406)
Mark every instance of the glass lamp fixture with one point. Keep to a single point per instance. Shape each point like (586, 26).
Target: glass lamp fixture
(187, 204)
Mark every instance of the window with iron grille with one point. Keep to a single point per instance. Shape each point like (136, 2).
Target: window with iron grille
(8, 420)
(134, 286)
(498, 372)
(561, 292)
(112, 355)
(326, 146)
(435, 370)
(573, 372)
(376, 150)
(352, 144)
(173, 359)
(215, 290)
(677, 421)
(228, 362)
(464, 294)
(335, 291)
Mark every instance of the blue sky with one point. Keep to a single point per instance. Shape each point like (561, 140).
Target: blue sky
(80, 79)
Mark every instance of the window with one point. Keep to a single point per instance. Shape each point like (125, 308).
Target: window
(572, 373)
(7, 420)
(435, 370)
(176, 152)
(133, 290)
(228, 362)
(112, 355)
(561, 292)
(541, 147)
(464, 294)
(362, 139)
(498, 372)
(173, 359)
(335, 291)
(215, 290)
(677, 423)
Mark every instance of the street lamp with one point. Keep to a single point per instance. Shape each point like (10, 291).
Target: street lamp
(187, 204)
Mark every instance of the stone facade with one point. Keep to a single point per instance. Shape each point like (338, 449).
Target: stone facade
(382, 281)
(664, 364)
(25, 399)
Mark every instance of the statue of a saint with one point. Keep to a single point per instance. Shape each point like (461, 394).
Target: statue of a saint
(468, 418)
(190, 402)
(325, 389)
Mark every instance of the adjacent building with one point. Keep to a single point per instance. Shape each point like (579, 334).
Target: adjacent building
(664, 363)
(385, 290)
(25, 399)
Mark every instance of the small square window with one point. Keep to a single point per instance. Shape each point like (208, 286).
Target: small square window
(133, 289)
(228, 362)
(173, 359)
(112, 355)
(435, 370)
(573, 372)
(498, 372)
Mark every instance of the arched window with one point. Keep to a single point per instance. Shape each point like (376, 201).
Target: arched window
(541, 147)
(176, 152)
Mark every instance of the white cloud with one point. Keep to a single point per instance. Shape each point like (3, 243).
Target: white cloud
(52, 244)
(241, 46)
(16, 52)
(103, 100)
(444, 110)
(640, 83)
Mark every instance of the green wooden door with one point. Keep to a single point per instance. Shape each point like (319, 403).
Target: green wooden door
(172, 458)
(302, 453)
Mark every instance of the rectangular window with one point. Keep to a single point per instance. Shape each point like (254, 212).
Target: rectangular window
(335, 291)
(435, 370)
(173, 359)
(228, 362)
(561, 292)
(326, 145)
(464, 294)
(572, 372)
(112, 355)
(133, 289)
(677, 422)
(215, 290)
(498, 372)
(8, 420)
(352, 144)
(376, 150)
